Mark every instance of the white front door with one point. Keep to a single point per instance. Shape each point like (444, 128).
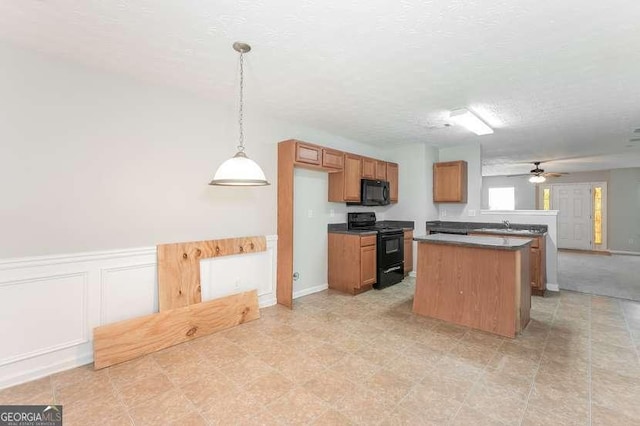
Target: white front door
(573, 202)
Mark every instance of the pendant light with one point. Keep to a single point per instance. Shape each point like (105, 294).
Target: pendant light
(240, 170)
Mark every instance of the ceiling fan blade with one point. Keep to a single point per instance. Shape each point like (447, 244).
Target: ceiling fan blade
(555, 174)
(521, 174)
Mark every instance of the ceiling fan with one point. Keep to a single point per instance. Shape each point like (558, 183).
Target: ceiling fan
(538, 175)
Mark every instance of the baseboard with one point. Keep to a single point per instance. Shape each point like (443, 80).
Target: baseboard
(38, 373)
(412, 274)
(310, 290)
(553, 287)
(626, 253)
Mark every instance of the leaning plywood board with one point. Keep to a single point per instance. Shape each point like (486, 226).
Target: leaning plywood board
(129, 339)
(179, 267)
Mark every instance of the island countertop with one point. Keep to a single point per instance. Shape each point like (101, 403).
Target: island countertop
(496, 243)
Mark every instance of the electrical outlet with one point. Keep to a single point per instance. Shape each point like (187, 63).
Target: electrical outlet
(443, 212)
(471, 212)
(332, 213)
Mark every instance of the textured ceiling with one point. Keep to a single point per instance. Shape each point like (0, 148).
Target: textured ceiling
(556, 79)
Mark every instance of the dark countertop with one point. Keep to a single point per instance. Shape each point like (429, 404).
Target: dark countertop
(494, 243)
(514, 229)
(341, 228)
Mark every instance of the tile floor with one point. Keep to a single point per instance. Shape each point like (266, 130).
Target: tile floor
(338, 359)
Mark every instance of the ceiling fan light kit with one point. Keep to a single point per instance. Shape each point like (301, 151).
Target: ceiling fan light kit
(240, 170)
(537, 179)
(470, 121)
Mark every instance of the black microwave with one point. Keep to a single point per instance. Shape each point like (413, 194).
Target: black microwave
(374, 192)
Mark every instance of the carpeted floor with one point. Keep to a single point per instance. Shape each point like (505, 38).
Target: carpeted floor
(614, 276)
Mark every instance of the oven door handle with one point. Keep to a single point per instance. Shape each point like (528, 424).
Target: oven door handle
(395, 268)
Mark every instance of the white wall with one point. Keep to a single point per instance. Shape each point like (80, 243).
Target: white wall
(624, 210)
(472, 154)
(524, 191)
(93, 161)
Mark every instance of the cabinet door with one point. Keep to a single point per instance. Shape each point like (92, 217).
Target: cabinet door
(408, 252)
(392, 177)
(332, 159)
(450, 182)
(308, 154)
(381, 170)
(352, 173)
(368, 168)
(535, 268)
(367, 265)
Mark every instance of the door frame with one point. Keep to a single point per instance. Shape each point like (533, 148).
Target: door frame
(593, 185)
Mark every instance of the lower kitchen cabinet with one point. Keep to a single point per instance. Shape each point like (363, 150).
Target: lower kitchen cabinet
(408, 252)
(352, 262)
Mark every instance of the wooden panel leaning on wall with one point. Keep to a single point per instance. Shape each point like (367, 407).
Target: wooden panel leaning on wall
(129, 339)
(182, 315)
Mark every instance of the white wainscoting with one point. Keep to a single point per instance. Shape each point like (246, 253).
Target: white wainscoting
(49, 305)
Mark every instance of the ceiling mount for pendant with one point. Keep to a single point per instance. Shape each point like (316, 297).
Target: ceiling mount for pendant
(240, 170)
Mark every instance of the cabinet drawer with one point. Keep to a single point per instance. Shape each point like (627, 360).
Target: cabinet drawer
(369, 240)
(332, 159)
(308, 154)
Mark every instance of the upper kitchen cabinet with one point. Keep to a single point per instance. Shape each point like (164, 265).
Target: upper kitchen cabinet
(381, 170)
(344, 186)
(368, 168)
(392, 177)
(450, 182)
(308, 154)
(332, 159)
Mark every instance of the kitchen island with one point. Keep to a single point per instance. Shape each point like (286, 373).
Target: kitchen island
(475, 281)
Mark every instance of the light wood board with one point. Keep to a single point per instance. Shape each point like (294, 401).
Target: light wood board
(179, 267)
(129, 339)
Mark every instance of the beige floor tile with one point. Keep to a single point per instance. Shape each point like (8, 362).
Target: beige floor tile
(133, 370)
(388, 385)
(363, 406)
(76, 375)
(401, 417)
(467, 416)
(203, 388)
(223, 353)
(330, 387)
(497, 405)
(246, 370)
(332, 417)
(38, 391)
(569, 409)
(176, 356)
(556, 386)
(458, 368)
(103, 410)
(85, 390)
(427, 404)
(506, 385)
(410, 368)
(615, 391)
(191, 419)
(606, 416)
(188, 370)
(454, 387)
(326, 354)
(166, 408)
(425, 352)
(297, 407)
(355, 368)
(268, 388)
(140, 390)
(298, 371)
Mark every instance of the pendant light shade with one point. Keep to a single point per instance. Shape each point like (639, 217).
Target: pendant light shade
(240, 170)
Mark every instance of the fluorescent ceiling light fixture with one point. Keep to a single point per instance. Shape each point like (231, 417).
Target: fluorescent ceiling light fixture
(467, 119)
(537, 179)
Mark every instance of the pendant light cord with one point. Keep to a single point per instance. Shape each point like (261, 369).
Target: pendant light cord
(241, 146)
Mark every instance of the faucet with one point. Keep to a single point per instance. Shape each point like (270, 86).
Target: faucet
(507, 224)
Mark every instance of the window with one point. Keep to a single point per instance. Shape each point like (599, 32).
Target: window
(502, 198)
(546, 198)
(597, 215)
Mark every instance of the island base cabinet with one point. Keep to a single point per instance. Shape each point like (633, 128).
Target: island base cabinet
(485, 289)
(408, 252)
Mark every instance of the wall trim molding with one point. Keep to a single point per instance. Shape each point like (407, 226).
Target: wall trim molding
(310, 290)
(553, 287)
(625, 253)
(56, 259)
(412, 274)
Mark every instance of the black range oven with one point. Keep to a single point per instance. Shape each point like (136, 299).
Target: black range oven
(389, 248)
